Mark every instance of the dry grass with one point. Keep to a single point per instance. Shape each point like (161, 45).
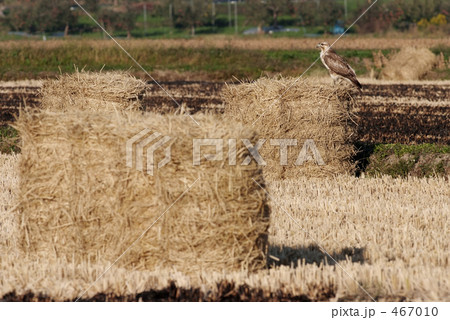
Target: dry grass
(8, 194)
(252, 43)
(389, 234)
(116, 90)
(388, 217)
(5, 85)
(409, 101)
(409, 64)
(405, 82)
(20, 83)
(285, 108)
(79, 200)
(395, 231)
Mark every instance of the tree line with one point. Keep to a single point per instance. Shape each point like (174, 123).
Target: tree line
(39, 16)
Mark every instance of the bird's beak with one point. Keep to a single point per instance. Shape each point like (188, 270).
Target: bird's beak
(318, 46)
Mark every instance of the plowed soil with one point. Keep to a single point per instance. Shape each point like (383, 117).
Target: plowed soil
(387, 113)
(404, 113)
(226, 292)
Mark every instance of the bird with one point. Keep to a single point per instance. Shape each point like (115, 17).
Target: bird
(337, 66)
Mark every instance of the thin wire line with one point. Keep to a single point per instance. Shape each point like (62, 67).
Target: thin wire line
(139, 238)
(317, 243)
(134, 60)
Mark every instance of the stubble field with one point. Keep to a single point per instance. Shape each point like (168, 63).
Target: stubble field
(387, 240)
(343, 238)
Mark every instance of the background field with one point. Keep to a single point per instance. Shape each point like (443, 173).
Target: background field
(210, 58)
(387, 228)
(402, 126)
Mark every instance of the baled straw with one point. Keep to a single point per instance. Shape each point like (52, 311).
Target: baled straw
(303, 110)
(8, 190)
(409, 64)
(115, 90)
(79, 200)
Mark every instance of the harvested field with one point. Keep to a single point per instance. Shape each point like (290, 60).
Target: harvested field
(194, 96)
(404, 113)
(390, 235)
(250, 43)
(14, 96)
(213, 58)
(389, 112)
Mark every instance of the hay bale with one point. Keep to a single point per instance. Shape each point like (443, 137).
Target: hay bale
(409, 64)
(379, 59)
(301, 110)
(79, 200)
(116, 90)
(8, 188)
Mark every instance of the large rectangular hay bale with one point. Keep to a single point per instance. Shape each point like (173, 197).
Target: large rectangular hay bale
(112, 90)
(409, 63)
(316, 115)
(79, 200)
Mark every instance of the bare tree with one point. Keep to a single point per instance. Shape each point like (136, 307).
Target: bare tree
(41, 16)
(266, 11)
(122, 17)
(190, 13)
(274, 7)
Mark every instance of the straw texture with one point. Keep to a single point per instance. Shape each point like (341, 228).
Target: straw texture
(409, 64)
(116, 90)
(287, 108)
(79, 200)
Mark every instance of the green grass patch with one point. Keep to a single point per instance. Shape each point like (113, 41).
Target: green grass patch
(9, 140)
(383, 150)
(31, 61)
(222, 64)
(399, 160)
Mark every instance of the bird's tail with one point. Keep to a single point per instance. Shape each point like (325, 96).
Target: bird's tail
(357, 84)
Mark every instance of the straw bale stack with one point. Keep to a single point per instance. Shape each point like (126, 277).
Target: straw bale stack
(304, 110)
(79, 200)
(8, 188)
(115, 90)
(409, 64)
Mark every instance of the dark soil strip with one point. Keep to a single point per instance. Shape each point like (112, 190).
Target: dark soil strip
(378, 122)
(226, 292)
(418, 91)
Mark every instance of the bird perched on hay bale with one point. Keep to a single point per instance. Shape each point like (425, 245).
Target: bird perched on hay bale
(337, 66)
